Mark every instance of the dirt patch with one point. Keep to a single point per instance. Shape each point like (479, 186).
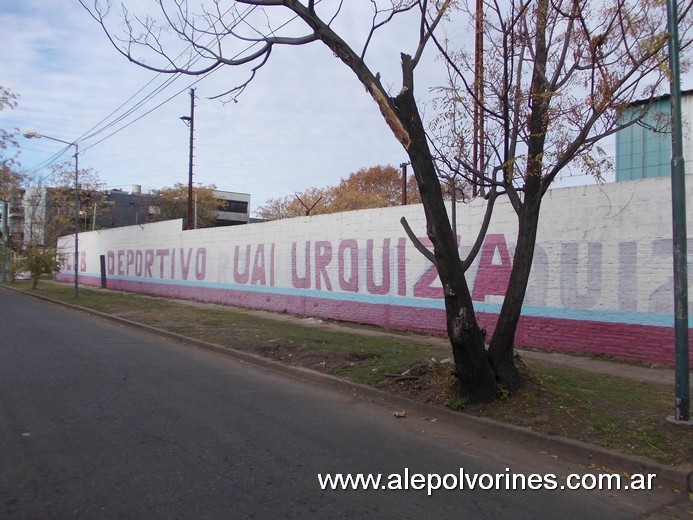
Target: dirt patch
(431, 382)
(319, 360)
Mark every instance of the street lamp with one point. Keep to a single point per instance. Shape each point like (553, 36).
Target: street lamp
(35, 135)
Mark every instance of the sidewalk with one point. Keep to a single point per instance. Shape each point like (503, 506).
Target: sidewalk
(656, 375)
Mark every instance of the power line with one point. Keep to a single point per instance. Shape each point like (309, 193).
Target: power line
(169, 81)
(95, 130)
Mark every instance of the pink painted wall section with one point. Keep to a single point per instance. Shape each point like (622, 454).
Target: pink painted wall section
(601, 280)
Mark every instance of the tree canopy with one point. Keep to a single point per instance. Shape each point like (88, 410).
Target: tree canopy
(51, 210)
(374, 187)
(172, 203)
(10, 179)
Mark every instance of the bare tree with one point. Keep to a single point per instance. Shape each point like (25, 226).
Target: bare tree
(560, 76)
(548, 49)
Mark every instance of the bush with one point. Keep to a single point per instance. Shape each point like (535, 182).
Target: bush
(39, 261)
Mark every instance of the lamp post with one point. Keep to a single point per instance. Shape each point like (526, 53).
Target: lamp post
(35, 135)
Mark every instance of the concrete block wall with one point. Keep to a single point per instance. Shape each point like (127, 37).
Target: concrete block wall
(601, 280)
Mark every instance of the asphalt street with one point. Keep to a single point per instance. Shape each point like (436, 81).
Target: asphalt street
(98, 420)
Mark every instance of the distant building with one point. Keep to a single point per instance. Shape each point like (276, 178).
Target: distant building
(35, 212)
(42, 207)
(642, 152)
(234, 210)
(15, 219)
(119, 208)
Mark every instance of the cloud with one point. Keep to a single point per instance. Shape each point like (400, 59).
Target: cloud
(305, 121)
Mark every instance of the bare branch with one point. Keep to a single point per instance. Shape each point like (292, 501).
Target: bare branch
(417, 243)
(481, 235)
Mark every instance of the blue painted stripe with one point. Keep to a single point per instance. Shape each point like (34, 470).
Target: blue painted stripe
(602, 315)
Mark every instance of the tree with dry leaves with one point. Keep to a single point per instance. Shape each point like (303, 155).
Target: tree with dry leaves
(557, 78)
(171, 203)
(10, 183)
(50, 211)
(559, 75)
(313, 201)
(10, 179)
(374, 187)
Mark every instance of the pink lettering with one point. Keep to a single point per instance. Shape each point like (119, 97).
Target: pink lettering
(384, 287)
(201, 264)
(492, 278)
(148, 262)
(401, 267)
(272, 265)
(138, 262)
(121, 270)
(110, 262)
(161, 253)
(185, 263)
(129, 261)
(323, 257)
(239, 277)
(300, 282)
(258, 277)
(350, 284)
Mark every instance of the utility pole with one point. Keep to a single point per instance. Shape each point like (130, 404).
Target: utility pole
(404, 183)
(678, 202)
(77, 198)
(190, 121)
(5, 242)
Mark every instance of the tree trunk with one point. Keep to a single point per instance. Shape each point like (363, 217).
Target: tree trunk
(476, 379)
(501, 349)
(501, 353)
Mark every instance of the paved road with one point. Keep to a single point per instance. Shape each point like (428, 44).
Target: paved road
(101, 421)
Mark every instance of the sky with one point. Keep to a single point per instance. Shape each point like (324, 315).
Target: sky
(305, 121)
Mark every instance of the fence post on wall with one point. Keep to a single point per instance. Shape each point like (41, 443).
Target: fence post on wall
(102, 262)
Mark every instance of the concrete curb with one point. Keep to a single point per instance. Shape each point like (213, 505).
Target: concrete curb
(578, 451)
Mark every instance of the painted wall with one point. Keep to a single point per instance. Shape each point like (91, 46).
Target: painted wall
(601, 281)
